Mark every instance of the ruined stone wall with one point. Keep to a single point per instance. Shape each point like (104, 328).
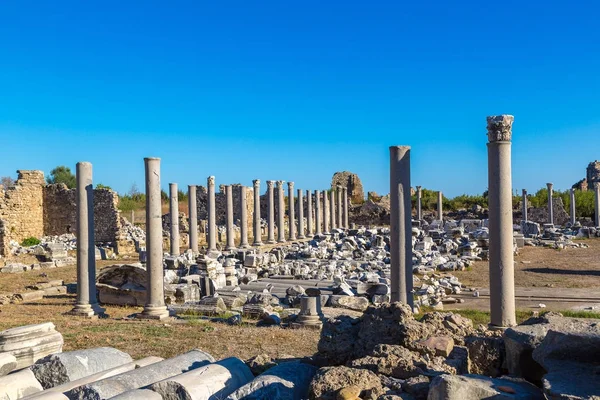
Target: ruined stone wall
(221, 203)
(593, 173)
(21, 209)
(356, 193)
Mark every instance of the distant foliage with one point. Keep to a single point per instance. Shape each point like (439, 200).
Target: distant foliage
(133, 200)
(62, 174)
(101, 186)
(182, 196)
(30, 241)
(7, 182)
(583, 200)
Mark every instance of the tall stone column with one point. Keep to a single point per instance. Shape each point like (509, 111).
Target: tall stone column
(291, 212)
(87, 303)
(573, 207)
(256, 225)
(325, 212)
(597, 198)
(243, 218)
(440, 206)
(229, 227)
(332, 215)
(271, 212)
(524, 205)
(318, 230)
(281, 213)
(502, 280)
(155, 293)
(550, 208)
(345, 195)
(193, 211)
(400, 226)
(309, 211)
(300, 216)
(212, 214)
(419, 199)
(340, 217)
(174, 216)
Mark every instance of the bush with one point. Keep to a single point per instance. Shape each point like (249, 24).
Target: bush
(30, 241)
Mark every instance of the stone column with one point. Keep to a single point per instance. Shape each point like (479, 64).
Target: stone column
(317, 213)
(229, 227)
(340, 218)
(502, 281)
(419, 199)
(174, 217)
(345, 195)
(132, 217)
(440, 206)
(193, 221)
(325, 212)
(291, 212)
(281, 213)
(332, 215)
(524, 205)
(597, 198)
(550, 208)
(300, 216)
(400, 226)
(87, 303)
(243, 218)
(271, 212)
(573, 206)
(212, 214)
(155, 293)
(309, 211)
(256, 225)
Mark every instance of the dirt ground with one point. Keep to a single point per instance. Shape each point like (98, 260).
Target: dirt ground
(544, 267)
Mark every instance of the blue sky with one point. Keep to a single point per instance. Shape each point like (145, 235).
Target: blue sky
(296, 91)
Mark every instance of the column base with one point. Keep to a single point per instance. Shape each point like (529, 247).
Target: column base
(497, 328)
(229, 248)
(305, 321)
(292, 238)
(301, 237)
(87, 310)
(257, 244)
(244, 246)
(152, 312)
(281, 240)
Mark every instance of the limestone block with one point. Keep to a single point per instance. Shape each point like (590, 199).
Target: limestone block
(19, 384)
(8, 363)
(476, 387)
(31, 342)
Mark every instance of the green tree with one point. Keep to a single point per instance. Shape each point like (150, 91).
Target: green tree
(62, 174)
(101, 186)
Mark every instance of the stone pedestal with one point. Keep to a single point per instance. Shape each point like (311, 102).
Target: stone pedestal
(400, 226)
(280, 212)
(502, 285)
(155, 294)
(310, 314)
(256, 222)
(318, 230)
(87, 303)
(230, 234)
(212, 215)
(193, 220)
(243, 218)
(419, 200)
(271, 212)
(550, 208)
(300, 216)
(291, 212)
(309, 211)
(174, 216)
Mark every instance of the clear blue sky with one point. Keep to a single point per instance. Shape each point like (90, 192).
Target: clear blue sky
(299, 90)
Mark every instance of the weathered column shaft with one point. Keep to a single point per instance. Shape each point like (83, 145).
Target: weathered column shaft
(400, 225)
(256, 225)
(419, 200)
(174, 217)
(291, 212)
(193, 221)
(281, 213)
(345, 195)
(309, 211)
(340, 217)
(524, 205)
(550, 207)
(243, 218)
(87, 303)
(597, 198)
(502, 285)
(318, 230)
(440, 206)
(332, 215)
(300, 215)
(155, 294)
(212, 214)
(325, 212)
(271, 212)
(229, 227)
(573, 207)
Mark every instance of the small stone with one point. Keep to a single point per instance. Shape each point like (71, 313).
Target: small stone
(349, 393)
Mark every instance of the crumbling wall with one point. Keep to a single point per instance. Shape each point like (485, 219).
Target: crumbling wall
(356, 193)
(540, 215)
(21, 209)
(221, 204)
(593, 173)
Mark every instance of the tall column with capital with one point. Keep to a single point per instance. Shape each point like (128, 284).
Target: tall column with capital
(243, 218)
(193, 211)
(419, 200)
(291, 216)
(550, 207)
(271, 212)
(309, 211)
(212, 214)
(174, 216)
(345, 196)
(573, 206)
(524, 205)
(502, 279)
(256, 225)
(281, 212)
(318, 230)
(300, 215)
(155, 307)
(229, 227)
(325, 212)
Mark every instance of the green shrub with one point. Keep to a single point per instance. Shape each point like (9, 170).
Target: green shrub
(30, 241)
